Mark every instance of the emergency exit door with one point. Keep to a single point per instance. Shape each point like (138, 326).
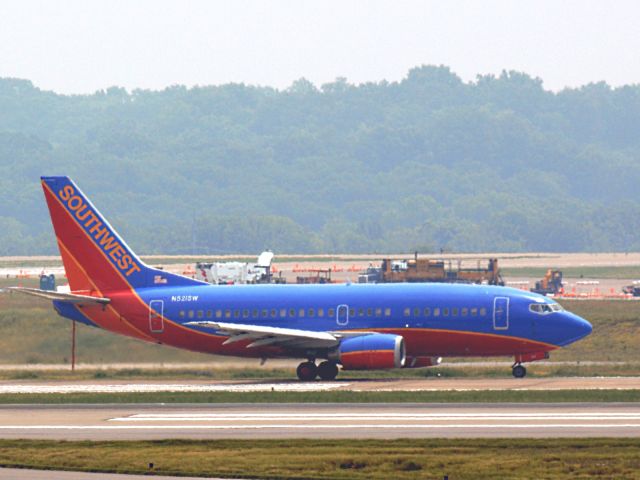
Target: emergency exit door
(501, 313)
(342, 315)
(156, 323)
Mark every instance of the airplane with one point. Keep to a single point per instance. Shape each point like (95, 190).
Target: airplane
(355, 326)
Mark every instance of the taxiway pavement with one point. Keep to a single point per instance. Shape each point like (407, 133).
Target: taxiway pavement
(352, 384)
(28, 474)
(251, 421)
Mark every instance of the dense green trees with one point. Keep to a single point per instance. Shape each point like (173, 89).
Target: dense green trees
(426, 163)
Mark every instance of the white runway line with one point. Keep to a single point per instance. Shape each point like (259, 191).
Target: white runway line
(155, 388)
(312, 427)
(208, 417)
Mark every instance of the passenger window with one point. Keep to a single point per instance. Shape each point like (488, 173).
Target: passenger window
(436, 312)
(245, 313)
(427, 312)
(474, 312)
(200, 313)
(190, 313)
(454, 312)
(255, 313)
(209, 313)
(236, 313)
(378, 312)
(227, 313)
(416, 312)
(369, 312)
(387, 312)
(483, 312)
(292, 312)
(181, 314)
(445, 312)
(406, 312)
(301, 313)
(283, 312)
(218, 313)
(361, 312)
(321, 312)
(274, 313)
(331, 313)
(312, 312)
(265, 313)
(465, 312)
(352, 312)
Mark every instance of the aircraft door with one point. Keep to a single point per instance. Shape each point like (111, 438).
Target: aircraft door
(342, 315)
(156, 322)
(501, 313)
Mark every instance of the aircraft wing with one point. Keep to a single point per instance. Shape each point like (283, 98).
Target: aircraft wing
(63, 296)
(261, 335)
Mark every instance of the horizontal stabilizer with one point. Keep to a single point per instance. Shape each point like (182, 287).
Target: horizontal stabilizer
(65, 297)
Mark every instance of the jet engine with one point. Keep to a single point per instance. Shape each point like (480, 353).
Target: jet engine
(371, 352)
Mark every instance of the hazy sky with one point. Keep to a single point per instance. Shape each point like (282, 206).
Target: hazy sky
(79, 46)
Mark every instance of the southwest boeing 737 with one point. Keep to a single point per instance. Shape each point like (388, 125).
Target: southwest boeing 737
(358, 327)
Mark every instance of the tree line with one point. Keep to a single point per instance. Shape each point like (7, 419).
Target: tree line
(426, 163)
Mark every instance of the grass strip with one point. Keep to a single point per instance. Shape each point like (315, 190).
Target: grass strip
(483, 396)
(322, 459)
(540, 370)
(631, 272)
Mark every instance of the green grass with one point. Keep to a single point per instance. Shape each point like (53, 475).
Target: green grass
(55, 261)
(27, 262)
(160, 260)
(604, 272)
(460, 459)
(535, 370)
(616, 331)
(492, 396)
(32, 333)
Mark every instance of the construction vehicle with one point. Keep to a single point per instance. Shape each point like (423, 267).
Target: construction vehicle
(428, 270)
(47, 282)
(227, 273)
(633, 289)
(551, 283)
(321, 276)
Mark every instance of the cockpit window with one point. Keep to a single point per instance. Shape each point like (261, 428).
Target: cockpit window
(545, 308)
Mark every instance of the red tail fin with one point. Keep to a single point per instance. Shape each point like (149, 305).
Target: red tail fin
(94, 255)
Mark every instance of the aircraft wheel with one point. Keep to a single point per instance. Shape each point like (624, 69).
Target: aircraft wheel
(327, 371)
(307, 371)
(519, 371)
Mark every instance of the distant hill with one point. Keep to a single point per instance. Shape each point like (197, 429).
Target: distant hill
(431, 162)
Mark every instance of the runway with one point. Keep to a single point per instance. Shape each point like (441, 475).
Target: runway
(352, 384)
(251, 421)
(28, 474)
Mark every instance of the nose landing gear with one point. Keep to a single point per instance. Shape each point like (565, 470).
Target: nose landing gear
(518, 370)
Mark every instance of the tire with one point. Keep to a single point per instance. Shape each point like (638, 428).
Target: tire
(327, 371)
(519, 371)
(307, 371)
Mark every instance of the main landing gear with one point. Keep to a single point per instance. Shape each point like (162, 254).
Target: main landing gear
(518, 370)
(308, 371)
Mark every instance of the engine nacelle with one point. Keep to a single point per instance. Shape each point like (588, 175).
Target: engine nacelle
(371, 352)
(420, 362)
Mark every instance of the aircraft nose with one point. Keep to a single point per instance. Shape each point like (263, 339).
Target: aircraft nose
(576, 327)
